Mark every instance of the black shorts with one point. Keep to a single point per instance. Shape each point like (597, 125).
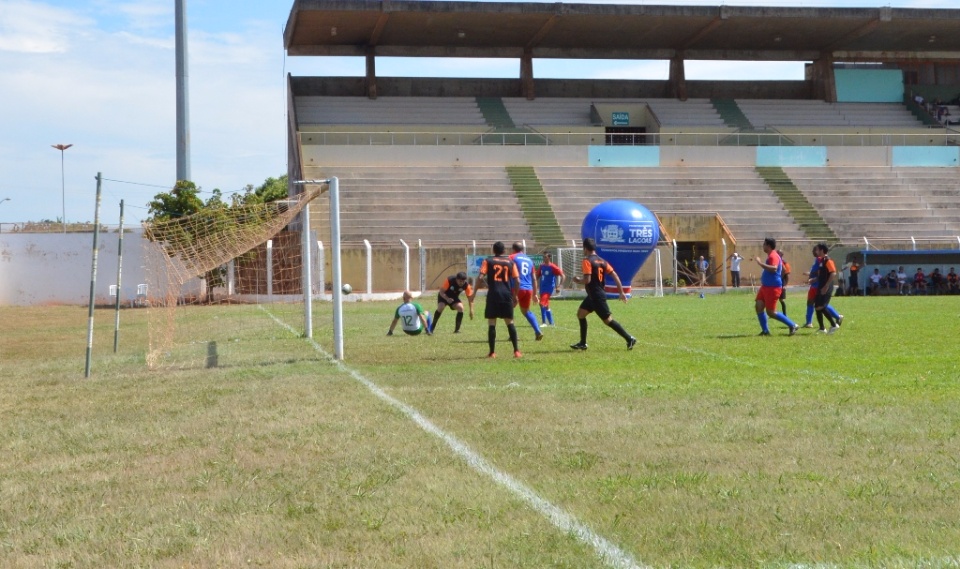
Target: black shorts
(498, 308)
(783, 293)
(823, 298)
(454, 300)
(596, 303)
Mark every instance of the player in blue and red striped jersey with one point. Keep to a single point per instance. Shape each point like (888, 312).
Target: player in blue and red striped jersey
(528, 285)
(771, 285)
(550, 277)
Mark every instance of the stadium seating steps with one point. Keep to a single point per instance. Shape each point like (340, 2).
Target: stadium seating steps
(547, 203)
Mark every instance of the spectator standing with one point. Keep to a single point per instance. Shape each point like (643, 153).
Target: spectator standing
(854, 287)
(735, 260)
(702, 266)
(901, 280)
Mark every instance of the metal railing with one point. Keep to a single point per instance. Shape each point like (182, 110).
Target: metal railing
(935, 137)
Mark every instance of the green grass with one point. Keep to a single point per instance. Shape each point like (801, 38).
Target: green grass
(706, 446)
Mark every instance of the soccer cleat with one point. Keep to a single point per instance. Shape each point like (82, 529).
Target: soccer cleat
(631, 343)
(539, 336)
(833, 329)
(840, 320)
(492, 355)
(579, 346)
(808, 325)
(821, 331)
(764, 333)
(793, 329)
(456, 331)
(517, 354)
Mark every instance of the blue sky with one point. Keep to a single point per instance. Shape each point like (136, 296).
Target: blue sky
(99, 74)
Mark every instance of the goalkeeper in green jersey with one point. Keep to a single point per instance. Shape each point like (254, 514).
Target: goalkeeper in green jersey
(412, 317)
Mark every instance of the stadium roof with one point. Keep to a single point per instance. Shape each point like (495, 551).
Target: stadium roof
(414, 28)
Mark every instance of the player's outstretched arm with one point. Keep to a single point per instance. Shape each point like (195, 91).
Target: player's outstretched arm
(392, 326)
(616, 279)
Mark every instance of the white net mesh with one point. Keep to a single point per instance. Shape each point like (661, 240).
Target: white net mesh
(225, 286)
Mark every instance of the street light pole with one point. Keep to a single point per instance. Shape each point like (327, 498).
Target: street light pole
(63, 187)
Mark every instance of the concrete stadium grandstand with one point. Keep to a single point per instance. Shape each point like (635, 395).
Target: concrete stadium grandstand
(863, 150)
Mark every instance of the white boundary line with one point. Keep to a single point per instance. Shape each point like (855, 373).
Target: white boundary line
(606, 550)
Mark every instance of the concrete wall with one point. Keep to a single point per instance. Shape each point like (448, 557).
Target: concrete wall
(869, 85)
(497, 156)
(324, 156)
(55, 268)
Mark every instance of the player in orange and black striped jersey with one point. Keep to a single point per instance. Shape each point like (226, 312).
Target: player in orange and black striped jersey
(595, 272)
(500, 275)
(449, 295)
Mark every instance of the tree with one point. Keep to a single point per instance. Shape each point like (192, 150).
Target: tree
(272, 189)
(181, 201)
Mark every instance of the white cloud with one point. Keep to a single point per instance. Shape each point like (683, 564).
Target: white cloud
(30, 27)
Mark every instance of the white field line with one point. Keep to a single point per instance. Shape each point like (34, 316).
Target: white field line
(612, 555)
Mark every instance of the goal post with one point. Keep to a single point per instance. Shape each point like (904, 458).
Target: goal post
(216, 291)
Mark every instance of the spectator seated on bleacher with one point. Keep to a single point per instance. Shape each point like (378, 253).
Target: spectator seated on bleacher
(875, 279)
(891, 281)
(953, 282)
(919, 282)
(901, 281)
(938, 285)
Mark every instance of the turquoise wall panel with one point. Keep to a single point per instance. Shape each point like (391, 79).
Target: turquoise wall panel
(931, 156)
(869, 85)
(624, 156)
(792, 156)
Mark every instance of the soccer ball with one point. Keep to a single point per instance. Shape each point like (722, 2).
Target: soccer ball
(347, 289)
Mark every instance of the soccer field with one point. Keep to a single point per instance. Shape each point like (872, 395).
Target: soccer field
(705, 446)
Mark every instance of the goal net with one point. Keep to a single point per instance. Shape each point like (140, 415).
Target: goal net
(225, 286)
(569, 259)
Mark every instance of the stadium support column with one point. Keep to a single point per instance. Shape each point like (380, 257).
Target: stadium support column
(526, 75)
(678, 77)
(823, 82)
(371, 72)
(183, 93)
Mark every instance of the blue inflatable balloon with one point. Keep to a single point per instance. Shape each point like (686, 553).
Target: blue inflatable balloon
(626, 233)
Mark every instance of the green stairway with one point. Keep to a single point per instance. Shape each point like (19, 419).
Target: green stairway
(796, 203)
(504, 131)
(495, 113)
(731, 114)
(536, 208)
(746, 134)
